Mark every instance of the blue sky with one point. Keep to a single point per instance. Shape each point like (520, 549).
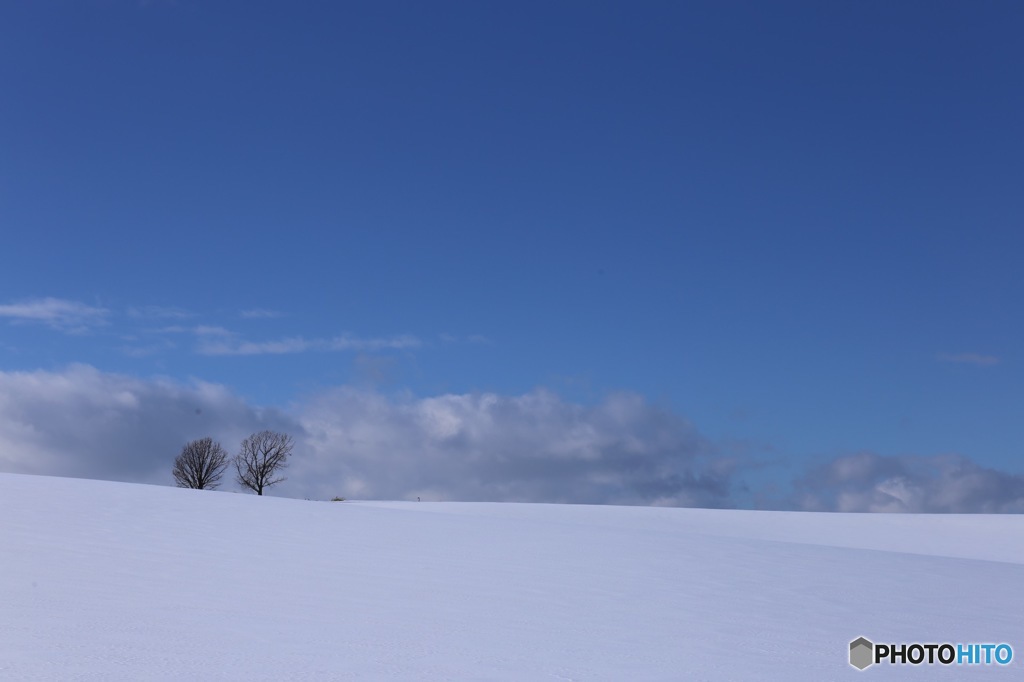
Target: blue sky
(795, 226)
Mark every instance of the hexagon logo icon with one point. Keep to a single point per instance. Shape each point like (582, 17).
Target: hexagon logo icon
(862, 653)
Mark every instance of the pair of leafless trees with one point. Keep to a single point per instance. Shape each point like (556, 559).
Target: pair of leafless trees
(258, 463)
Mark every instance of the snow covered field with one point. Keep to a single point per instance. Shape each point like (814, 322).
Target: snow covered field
(113, 581)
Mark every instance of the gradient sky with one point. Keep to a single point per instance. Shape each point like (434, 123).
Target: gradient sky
(792, 228)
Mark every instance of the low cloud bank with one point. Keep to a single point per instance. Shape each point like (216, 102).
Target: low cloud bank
(534, 447)
(530, 448)
(868, 482)
(85, 423)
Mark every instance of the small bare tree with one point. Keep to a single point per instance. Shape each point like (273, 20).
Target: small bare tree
(261, 458)
(200, 465)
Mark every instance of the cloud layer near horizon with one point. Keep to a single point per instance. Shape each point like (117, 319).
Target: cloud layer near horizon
(534, 447)
(529, 448)
(358, 443)
(86, 423)
(868, 482)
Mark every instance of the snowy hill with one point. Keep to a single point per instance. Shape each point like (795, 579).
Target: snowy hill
(103, 581)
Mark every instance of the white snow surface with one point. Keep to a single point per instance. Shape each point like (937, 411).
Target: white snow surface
(116, 581)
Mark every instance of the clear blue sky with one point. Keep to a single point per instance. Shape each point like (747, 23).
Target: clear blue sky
(797, 225)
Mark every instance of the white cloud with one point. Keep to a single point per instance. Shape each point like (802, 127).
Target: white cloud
(260, 313)
(61, 314)
(349, 342)
(532, 447)
(87, 423)
(298, 344)
(231, 347)
(969, 359)
(158, 312)
(868, 482)
(216, 340)
(198, 330)
(357, 443)
(210, 330)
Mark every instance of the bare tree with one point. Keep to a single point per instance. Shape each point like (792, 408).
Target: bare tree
(261, 458)
(200, 465)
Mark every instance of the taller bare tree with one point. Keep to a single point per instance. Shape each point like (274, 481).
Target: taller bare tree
(200, 465)
(261, 458)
